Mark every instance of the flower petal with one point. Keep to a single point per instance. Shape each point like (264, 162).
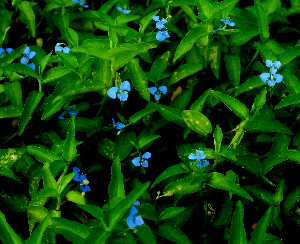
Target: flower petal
(163, 89)
(112, 92)
(269, 63)
(123, 96)
(278, 78)
(26, 51)
(137, 202)
(113, 121)
(145, 163)
(66, 50)
(136, 161)
(61, 117)
(133, 210)
(157, 96)
(138, 220)
(120, 9)
(155, 18)
(192, 156)
(75, 169)
(58, 48)
(130, 222)
(152, 90)
(31, 54)
(125, 86)
(85, 188)
(9, 49)
(76, 177)
(146, 155)
(277, 64)
(265, 76)
(119, 126)
(205, 163)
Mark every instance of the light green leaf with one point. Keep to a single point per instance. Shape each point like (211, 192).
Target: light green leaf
(69, 149)
(27, 16)
(7, 234)
(197, 121)
(237, 231)
(262, 20)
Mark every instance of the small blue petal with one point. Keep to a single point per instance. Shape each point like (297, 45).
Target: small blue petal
(123, 96)
(269, 63)
(119, 126)
(85, 188)
(61, 117)
(75, 169)
(265, 76)
(113, 121)
(278, 78)
(277, 64)
(157, 96)
(192, 156)
(155, 18)
(76, 177)
(163, 89)
(125, 86)
(145, 163)
(137, 202)
(112, 92)
(146, 155)
(152, 90)
(136, 161)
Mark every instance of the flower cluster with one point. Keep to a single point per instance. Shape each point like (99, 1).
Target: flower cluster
(59, 48)
(227, 22)
(4, 52)
(124, 11)
(199, 156)
(71, 112)
(161, 35)
(272, 77)
(132, 220)
(82, 3)
(113, 92)
(142, 161)
(27, 54)
(157, 93)
(118, 125)
(82, 180)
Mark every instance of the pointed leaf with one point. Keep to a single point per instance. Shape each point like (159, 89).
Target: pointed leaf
(173, 234)
(7, 234)
(36, 236)
(197, 121)
(262, 20)
(237, 231)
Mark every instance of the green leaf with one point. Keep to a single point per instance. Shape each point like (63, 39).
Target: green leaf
(21, 68)
(262, 20)
(65, 181)
(13, 91)
(259, 101)
(123, 19)
(116, 185)
(138, 78)
(42, 196)
(68, 60)
(190, 38)
(113, 38)
(183, 71)
(10, 112)
(118, 212)
(95, 211)
(17, 202)
(171, 212)
(173, 234)
(259, 232)
(99, 52)
(5, 24)
(28, 16)
(74, 232)
(290, 100)
(36, 236)
(37, 214)
(265, 51)
(8, 173)
(220, 181)
(224, 215)
(7, 234)
(48, 179)
(31, 103)
(233, 104)
(291, 200)
(150, 108)
(219, 7)
(197, 121)
(34, 177)
(218, 136)
(182, 99)
(72, 36)
(43, 63)
(288, 55)
(55, 73)
(244, 36)
(106, 148)
(69, 149)
(146, 140)
(146, 21)
(291, 81)
(266, 124)
(237, 231)
(171, 114)
(249, 84)
(159, 66)
(80, 87)
(76, 197)
(145, 235)
(214, 57)
(199, 103)
(278, 196)
(204, 8)
(122, 146)
(41, 154)
(16, 53)
(262, 195)
(9, 156)
(233, 67)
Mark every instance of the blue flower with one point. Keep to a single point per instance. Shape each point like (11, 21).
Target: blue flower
(82, 3)
(159, 23)
(272, 77)
(199, 156)
(124, 11)
(156, 93)
(113, 92)
(162, 35)
(58, 48)
(82, 180)
(138, 161)
(118, 125)
(132, 220)
(61, 117)
(71, 111)
(27, 54)
(228, 22)
(4, 52)
(203, 164)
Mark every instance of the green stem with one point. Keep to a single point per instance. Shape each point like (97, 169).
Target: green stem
(251, 61)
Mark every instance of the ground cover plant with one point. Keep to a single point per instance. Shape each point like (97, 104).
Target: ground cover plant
(149, 121)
